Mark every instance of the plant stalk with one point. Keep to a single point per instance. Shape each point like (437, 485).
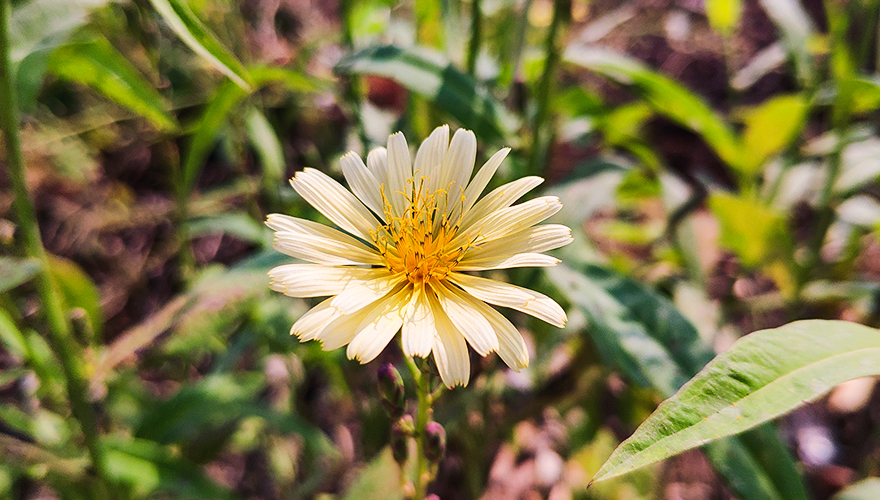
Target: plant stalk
(59, 331)
(425, 399)
(474, 43)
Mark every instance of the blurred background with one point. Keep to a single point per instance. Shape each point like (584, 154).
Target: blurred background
(718, 162)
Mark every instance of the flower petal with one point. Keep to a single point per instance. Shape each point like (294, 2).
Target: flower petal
(473, 325)
(314, 321)
(429, 160)
(500, 197)
(514, 297)
(318, 243)
(377, 162)
(343, 328)
(450, 350)
(379, 327)
(518, 260)
(359, 295)
(480, 181)
(312, 280)
(532, 240)
(418, 325)
(511, 346)
(399, 187)
(363, 183)
(458, 164)
(508, 220)
(335, 202)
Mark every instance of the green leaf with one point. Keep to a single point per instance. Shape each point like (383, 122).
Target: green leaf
(265, 142)
(39, 24)
(14, 272)
(193, 33)
(754, 232)
(667, 97)
(234, 223)
(761, 377)
(866, 489)
(865, 94)
(78, 291)
(97, 64)
(646, 337)
(771, 127)
(227, 97)
(431, 76)
(379, 481)
(11, 337)
(797, 33)
(724, 15)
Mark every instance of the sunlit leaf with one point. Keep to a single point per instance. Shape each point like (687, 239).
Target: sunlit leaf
(265, 142)
(761, 377)
(770, 127)
(754, 232)
(724, 15)
(431, 76)
(644, 335)
(380, 480)
(99, 65)
(193, 33)
(666, 96)
(866, 489)
(79, 291)
(797, 33)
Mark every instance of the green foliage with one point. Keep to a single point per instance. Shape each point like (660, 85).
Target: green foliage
(762, 376)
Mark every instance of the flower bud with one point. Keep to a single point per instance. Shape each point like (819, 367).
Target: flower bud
(391, 390)
(400, 432)
(435, 442)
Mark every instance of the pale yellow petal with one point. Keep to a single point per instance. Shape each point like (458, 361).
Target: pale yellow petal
(461, 311)
(362, 182)
(511, 345)
(361, 294)
(532, 240)
(479, 182)
(449, 349)
(429, 160)
(514, 297)
(375, 331)
(377, 162)
(335, 202)
(312, 280)
(318, 243)
(518, 260)
(418, 326)
(314, 321)
(500, 197)
(508, 220)
(399, 187)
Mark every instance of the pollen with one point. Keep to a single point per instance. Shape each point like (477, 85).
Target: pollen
(416, 243)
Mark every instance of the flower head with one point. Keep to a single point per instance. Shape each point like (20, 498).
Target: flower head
(410, 232)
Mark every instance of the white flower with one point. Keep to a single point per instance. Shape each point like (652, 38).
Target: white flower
(409, 232)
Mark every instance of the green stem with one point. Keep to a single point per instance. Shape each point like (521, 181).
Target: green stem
(351, 85)
(474, 44)
(561, 10)
(425, 398)
(60, 331)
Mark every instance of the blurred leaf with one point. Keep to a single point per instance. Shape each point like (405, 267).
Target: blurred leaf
(865, 94)
(234, 223)
(41, 24)
(265, 142)
(766, 60)
(724, 15)
(227, 97)
(11, 337)
(754, 232)
(288, 78)
(646, 337)
(666, 96)
(866, 489)
(379, 481)
(193, 33)
(431, 76)
(78, 290)
(859, 166)
(761, 377)
(99, 65)
(14, 272)
(147, 468)
(797, 33)
(770, 127)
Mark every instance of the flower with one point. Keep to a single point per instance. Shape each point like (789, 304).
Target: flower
(410, 231)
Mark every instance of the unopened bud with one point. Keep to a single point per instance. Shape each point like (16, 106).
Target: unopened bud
(400, 433)
(391, 390)
(435, 442)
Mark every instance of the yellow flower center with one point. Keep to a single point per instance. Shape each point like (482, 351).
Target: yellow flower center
(416, 243)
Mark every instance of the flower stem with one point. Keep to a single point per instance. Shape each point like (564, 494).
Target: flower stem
(474, 43)
(422, 477)
(60, 330)
(561, 11)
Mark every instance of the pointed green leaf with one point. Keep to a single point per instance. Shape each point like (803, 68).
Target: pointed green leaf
(78, 290)
(14, 271)
(797, 33)
(431, 76)
(99, 65)
(724, 15)
(770, 127)
(666, 96)
(755, 232)
(761, 377)
(265, 142)
(645, 336)
(193, 33)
